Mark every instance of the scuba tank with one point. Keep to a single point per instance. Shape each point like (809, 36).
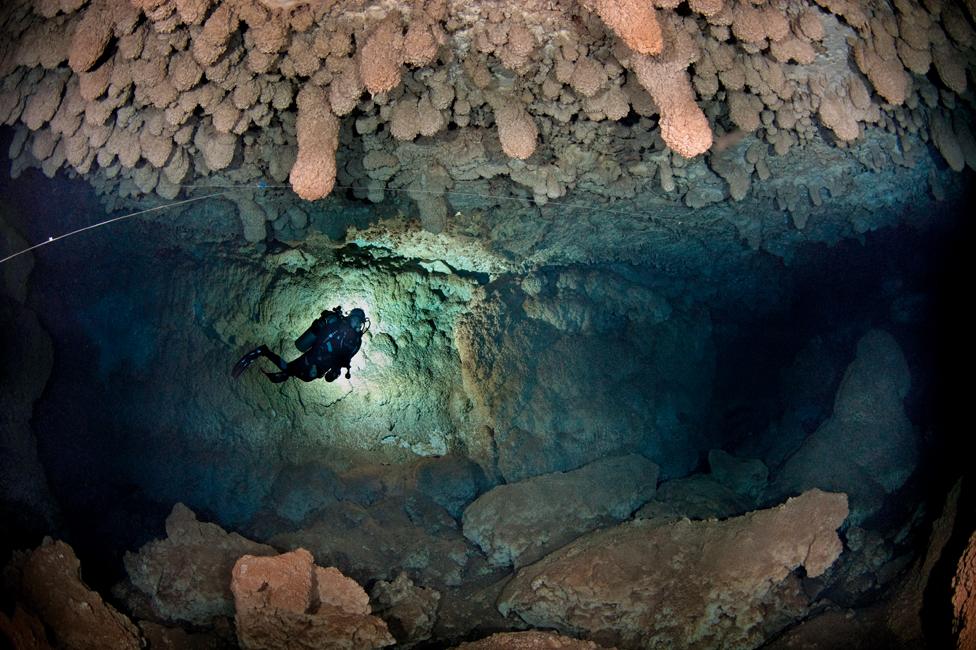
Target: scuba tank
(318, 326)
(305, 341)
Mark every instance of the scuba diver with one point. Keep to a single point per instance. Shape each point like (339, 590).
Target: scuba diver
(327, 347)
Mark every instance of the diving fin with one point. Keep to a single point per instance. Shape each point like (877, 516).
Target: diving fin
(246, 361)
(243, 364)
(276, 377)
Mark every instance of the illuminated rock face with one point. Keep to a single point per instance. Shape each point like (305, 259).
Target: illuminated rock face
(78, 618)
(287, 602)
(637, 585)
(508, 522)
(184, 578)
(539, 374)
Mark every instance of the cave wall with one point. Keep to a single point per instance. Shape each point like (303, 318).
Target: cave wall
(521, 382)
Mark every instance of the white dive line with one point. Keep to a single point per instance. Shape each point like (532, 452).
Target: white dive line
(51, 240)
(229, 189)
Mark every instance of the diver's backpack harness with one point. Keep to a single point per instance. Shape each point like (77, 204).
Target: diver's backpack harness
(329, 322)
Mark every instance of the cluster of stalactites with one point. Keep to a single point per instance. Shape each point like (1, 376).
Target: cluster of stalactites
(182, 84)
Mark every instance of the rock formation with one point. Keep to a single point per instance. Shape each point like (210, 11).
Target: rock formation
(520, 522)
(732, 488)
(629, 585)
(185, 578)
(148, 98)
(579, 340)
(964, 598)
(528, 641)
(76, 616)
(287, 602)
(409, 611)
(870, 426)
(29, 359)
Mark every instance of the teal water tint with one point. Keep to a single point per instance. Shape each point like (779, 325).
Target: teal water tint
(147, 315)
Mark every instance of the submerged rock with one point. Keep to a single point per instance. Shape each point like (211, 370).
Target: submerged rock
(694, 497)
(531, 640)
(964, 598)
(186, 577)
(585, 365)
(744, 476)
(176, 638)
(861, 629)
(520, 522)
(867, 448)
(76, 616)
(23, 631)
(722, 584)
(469, 611)
(26, 348)
(375, 541)
(409, 611)
(732, 488)
(286, 602)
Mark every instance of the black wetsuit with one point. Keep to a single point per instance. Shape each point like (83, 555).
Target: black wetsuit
(328, 346)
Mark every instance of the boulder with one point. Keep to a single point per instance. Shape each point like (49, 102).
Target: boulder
(186, 577)
(530, 640)
(694, 497)
(726, 584)
(409, 611)
(744, 476)
(287, 602)
(76, 616)
(861, 629)
(452, 482)
(301, 489)
(375, 541)
(520, 522)
(469, 611)
(867, 448)
(176, 638)
(22, 631)
(964, 598)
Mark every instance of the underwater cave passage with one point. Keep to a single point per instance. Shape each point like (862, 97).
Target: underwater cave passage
(603, 326)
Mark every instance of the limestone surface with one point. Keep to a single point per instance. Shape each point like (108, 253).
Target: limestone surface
(518, 523)
(699, 496)
(964, 597)
(573, 342)
(29, 360)
(185, 578)
(409, 611)
(23, 630)
(629, 585)
(531, 640)
(76, 616)
(213, 84)
(286, 601)
(868, 434)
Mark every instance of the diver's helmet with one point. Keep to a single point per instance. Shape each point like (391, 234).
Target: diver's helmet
(357, 319)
